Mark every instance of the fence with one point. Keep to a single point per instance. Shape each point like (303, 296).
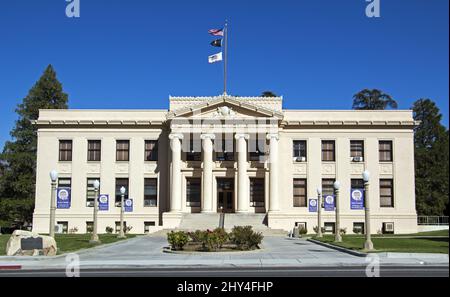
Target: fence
(432, 220)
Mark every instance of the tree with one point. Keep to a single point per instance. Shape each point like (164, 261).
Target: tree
(268, 94)
(431, 140)
(373, 100)
(18, 159)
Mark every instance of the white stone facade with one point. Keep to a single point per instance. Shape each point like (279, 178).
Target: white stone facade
(200, 124)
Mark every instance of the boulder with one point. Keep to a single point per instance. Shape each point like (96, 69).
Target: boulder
(33, 244)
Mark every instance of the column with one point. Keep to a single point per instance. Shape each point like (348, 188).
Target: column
(242, 186)
(207, 189)
(273, 172)
(175, 189)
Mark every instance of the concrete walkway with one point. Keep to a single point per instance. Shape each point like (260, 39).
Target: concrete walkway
(146, 251)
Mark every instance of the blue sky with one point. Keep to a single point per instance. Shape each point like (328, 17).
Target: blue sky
(135, 53)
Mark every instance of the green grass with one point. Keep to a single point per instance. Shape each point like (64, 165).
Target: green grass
(396, 244)
(70, 242)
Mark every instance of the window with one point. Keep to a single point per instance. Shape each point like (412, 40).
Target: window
(94, 150)
(224, 148)
(299, 192)
(257, 146)
(194, 150)
(150, 192)
(357, 148)
(147, 226)
(65, 182)
(257, 196)
(64, 226)
(358, 228)
(122, 150)
(327, 187)
(299, 147)
(90, 191)
(89, 227)
(121, 182)
(151, 150)
(193, 192)
(357, 183)
(118, 226)
(328, 147)
(65, 150)
(329, 227)
(386, 193)
(385, 150)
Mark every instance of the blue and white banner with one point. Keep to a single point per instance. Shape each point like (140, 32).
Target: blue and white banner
(329, 203)
(357, 199)
(128, 205)
(312, 205)
(103, 202)
(63, 198)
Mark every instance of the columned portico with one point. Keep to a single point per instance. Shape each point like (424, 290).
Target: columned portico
(207, 189)
(273, 172)
(242, 187)
(175, 189)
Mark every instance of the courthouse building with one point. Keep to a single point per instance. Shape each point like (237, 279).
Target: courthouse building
(246, 157)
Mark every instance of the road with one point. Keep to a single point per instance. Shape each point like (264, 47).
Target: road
(352, 271)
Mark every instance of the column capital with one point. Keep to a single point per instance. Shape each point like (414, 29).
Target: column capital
(241, 135)
(271, 136)
(208, 136)
(176, 135)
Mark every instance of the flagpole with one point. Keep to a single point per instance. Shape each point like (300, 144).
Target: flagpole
(225, 59)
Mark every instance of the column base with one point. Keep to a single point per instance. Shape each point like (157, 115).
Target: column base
(242, 211)
(208, 211)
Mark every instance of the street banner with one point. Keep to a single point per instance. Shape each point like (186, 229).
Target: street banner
(329, 203)
(63, 198)
(357, 199)
(312, 205)
(129, 205)
(103, 202)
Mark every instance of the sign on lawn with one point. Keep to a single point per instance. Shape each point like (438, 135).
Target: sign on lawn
(63, 198)
(103, 202)
(357, 199)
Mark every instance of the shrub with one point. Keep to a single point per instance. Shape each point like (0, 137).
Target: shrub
(177, 239)
(302, 231)
(245, 238)
(109, 230)
(210, 240)
(343, 231)
(128, 229)
(73, 230)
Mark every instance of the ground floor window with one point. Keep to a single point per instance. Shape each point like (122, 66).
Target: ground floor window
(386, 193)
(147, 226)
(121, 182)
(300, 192)
(150, 192)
(63, 226)
(327, 187)
(118, 226)
(257, 196)
(358, 227)
(330, 227)
(90, 191)
(193, 192)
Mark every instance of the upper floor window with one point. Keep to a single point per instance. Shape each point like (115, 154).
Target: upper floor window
(328, 150)
(65, 150)
(357, 150)
(121, 182)
(257, 192)
(65, 182)
(150, 192)
(300, 192)
(386, 193)
(122, 150)
(257, 146)
(151, 150)
(385, 150)
(94, 150)
(299, 147)
(90, 191)
(225, 148)
(194, 149)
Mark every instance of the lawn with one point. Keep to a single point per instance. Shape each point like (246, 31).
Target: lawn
(396, 243)
(69, 242)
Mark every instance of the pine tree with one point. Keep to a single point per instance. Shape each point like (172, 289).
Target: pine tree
(431, 156)
(373, 100)
(18, 159)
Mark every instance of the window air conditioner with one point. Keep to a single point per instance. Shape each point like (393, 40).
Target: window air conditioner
(358, 159)
(58, 228)
(90, 203)
(300, 159)
(388, 227)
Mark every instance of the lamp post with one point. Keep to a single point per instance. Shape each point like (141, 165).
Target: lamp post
(122, 205)
(319, 212)
(337, 232)
(94, 237)
(54, 178)
(368, 245)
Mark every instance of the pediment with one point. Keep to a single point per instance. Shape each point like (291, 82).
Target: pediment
(225, 108)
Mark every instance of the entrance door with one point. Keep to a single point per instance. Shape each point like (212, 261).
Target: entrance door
(225, 195)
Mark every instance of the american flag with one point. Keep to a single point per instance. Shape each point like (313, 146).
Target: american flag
(216, 32)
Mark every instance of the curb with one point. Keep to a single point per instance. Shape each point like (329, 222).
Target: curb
(335, 247)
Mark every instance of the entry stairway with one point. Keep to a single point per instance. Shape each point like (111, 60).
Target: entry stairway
(203, 221)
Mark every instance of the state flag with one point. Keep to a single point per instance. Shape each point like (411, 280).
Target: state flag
(215, 58)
